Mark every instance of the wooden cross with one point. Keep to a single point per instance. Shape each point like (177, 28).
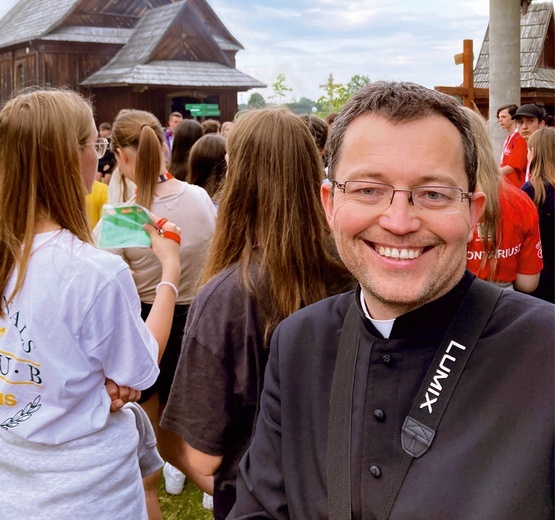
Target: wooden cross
(467, 90)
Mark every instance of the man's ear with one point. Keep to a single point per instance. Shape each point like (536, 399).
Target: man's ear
(477, 208)
(326, 194)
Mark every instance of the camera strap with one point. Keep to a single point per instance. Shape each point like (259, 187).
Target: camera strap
(420, 426)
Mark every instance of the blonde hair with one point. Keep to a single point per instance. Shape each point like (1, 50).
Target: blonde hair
(142, 131)
(489, 181)
(270, 214)
(542, 165)
(42, 133)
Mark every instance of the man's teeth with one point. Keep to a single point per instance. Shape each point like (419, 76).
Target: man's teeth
(400, 254)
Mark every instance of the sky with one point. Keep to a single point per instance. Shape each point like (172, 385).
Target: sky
(307, 40)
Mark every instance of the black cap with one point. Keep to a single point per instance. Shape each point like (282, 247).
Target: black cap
(529, 111)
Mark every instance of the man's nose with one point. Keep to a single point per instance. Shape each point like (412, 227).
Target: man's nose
(400, 217)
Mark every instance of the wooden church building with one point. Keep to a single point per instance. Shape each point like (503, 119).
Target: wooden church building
(537, 63)
(155, 55)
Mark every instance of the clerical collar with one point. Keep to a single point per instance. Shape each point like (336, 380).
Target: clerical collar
(436, 315)
(383, 326)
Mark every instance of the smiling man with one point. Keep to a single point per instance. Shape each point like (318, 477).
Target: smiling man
(425, 393)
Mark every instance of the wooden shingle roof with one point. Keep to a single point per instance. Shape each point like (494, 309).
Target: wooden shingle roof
(535, 27)
(169, 46)
(178, 73)
(79, 20)
(32, 19)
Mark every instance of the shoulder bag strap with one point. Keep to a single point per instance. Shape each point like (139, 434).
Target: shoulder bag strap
(339, 423)
(435, 392)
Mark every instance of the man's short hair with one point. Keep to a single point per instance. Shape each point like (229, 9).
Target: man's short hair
(511, 108)
(176, 114)
(530, 110)
(104, 126)
(403, 103)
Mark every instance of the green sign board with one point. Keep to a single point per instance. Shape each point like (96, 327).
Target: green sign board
(203, 109)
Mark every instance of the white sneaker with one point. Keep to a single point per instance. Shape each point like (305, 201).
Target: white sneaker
(208, 502)
(175, 480)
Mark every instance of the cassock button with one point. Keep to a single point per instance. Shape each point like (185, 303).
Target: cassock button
(386, 359)
(375, 472)
(379, 415)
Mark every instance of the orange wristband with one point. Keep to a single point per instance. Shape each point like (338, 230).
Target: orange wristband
(171, 235)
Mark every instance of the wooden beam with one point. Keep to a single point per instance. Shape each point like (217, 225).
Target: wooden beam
(479, 93)
(468, 73)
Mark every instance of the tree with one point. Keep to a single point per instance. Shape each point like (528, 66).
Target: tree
(256, 101)
(280, 87)
(356, 83)
(337, 94)
(304, 106)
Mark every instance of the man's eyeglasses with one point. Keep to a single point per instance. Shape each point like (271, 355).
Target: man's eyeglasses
(100, 146)
(380, 196)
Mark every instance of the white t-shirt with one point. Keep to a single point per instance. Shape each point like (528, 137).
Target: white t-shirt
(75, 322)
(191, 209)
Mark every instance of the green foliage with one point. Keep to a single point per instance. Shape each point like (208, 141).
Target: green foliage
(256, 101)
(337, 94)
(304, 106)
(280, 87)
(356, 83)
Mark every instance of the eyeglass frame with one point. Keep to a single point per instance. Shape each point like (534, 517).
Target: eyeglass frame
(101, 141)
(465, 195)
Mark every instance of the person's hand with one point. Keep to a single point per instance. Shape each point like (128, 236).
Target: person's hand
(121, 395)
(165, 246)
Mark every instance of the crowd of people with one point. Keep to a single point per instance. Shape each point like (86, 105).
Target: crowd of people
(331, 320)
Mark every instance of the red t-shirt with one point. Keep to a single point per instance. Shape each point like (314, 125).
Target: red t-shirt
(519, 245)
(515, 151)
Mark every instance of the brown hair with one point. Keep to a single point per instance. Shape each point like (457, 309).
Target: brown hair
(210, 126)
(402, 103)
(490, 182)
(270, 214)
(319, 130)
(207, 164)
(542, 166)
(42, 133)
(511, 108)
(186, 134)
(141, 130)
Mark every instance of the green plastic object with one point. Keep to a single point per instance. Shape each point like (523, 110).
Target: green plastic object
(121, 225)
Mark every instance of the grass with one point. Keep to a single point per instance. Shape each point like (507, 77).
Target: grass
(186, 506)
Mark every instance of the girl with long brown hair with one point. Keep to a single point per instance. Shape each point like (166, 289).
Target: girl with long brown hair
(272, 254)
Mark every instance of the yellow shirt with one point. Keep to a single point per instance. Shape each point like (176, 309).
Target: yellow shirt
(95, 200)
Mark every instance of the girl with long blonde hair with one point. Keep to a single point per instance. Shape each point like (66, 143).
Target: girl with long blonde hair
(541, 189)
(69, 319)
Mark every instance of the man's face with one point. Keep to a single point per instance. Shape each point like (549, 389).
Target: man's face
(528, 125)
(433, 242)
(173, 122)
(504, 119)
